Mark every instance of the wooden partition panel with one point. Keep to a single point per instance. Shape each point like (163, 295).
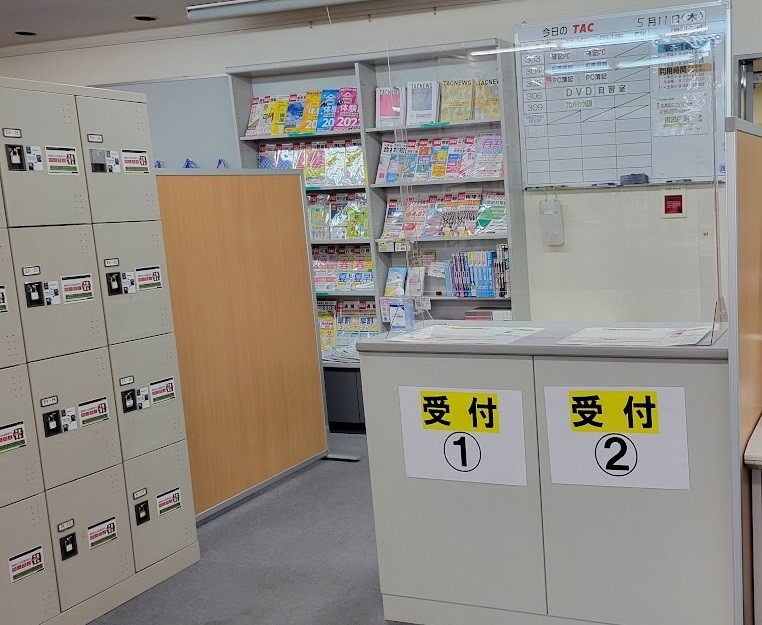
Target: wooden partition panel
(243, 306)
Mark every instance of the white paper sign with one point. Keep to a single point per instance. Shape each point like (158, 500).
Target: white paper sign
(463, 435)
(12, 436)
(26, 564)
(77, 288)
(169, 501)
(62, 161)
(101, 533)
(627, 437)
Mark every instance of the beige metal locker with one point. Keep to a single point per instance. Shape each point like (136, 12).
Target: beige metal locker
(20, 470)
(76, 415)
(12, 343)
(147, 390)
(58, 290)
(160, 499)
(28, 593)
(41, 165)
(91, 535)
(133, 273)
(118, 160)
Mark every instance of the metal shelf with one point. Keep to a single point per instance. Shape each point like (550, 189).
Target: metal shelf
(434, 183)
(340, 365)
(334, 188)
(340, 241)
(358, 294)
(450, 298)
(297, 135)
(477, 237)
(437, 126)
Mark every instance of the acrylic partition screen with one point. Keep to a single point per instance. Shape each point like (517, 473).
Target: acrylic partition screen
(465, 237)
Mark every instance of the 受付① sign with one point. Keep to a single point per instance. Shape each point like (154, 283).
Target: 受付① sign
(463, 435)
(632, 437)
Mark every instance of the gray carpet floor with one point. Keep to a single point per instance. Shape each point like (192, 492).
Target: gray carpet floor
(301, 553)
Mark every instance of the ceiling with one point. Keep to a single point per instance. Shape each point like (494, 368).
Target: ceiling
(63, 19)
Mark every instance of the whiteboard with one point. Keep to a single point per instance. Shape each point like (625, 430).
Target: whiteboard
(623, 95)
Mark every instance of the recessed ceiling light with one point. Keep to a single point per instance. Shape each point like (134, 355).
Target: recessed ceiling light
(26, 33)
(146, 18)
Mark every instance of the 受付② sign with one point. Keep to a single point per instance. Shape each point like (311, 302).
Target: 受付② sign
(463, 435)
(632, 437)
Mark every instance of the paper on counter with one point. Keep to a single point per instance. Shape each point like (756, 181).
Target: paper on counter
(638, 337)
(465, 334)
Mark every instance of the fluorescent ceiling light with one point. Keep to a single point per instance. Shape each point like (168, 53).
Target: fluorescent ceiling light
(537, 46)
(245, 8)
(678, 58)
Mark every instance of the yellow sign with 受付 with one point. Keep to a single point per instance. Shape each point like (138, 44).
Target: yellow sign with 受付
(460, 411)
(634, 410)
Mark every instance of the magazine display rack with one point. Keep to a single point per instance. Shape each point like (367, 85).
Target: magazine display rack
(351, 271)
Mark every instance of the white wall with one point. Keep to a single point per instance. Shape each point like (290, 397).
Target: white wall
(621, 259)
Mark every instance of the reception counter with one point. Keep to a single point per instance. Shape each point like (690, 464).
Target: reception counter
(532, 483)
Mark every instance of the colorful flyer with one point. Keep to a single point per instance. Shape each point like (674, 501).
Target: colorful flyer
(12, 436)
(135, 162)
(148, 278)
(62, 161)
(34, 158)
(77, 288)
(163, 390)
(94, 411)
(26, 564)
(169, 501)
(101, 533)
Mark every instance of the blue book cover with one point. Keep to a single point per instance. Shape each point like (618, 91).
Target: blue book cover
(294, 113)
(329, 102)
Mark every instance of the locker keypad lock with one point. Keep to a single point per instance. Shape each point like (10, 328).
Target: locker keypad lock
(68, 546)
(51, 422)
(142, 513)
(129, 400)
(35, 295)
(16, 157)
(114, 283)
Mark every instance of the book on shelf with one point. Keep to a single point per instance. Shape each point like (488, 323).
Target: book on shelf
(395, 282)
(300, 155)
(390, 107)
(422, 100)
(410, 161)
(329, 101)
(454, 158)
(492, 216)
(394, 219)
(355, 163)
(279, 114)
(433, 220)
(423, 163)
(308, 123)
(414, 285)
(294, 113)
(487, 99)
(327, 324)
(357, 216)
(456, 101)
(255, 116)
(440, 151)
(314, 172)
(284, 156)
(468, 159)
(320, 215)
(335, 163)
(395, 163)
(339, 216)
(268, 156)
(387, 148)
(265, 116)
(348, 111)
(335, 268)
(416, 207)
(489, 157)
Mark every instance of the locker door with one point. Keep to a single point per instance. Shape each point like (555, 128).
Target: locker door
(133, 273)
(20, 470)
(161, 504)
(12, 343)
(147, 389)
(91, 535)
(28, 592)
(58, 291)
(76, 419)
(42, 169)
(118, 160)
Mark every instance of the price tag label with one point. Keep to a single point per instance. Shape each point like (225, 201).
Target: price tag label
(630, 437)
(463, 435)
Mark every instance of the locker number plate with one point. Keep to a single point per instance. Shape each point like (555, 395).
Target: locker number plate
(95, 138)
(66, 525)
(31, 271)
(111, 262)
(12, 133)
(49, 401)
(140, 493)
(130, 379)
